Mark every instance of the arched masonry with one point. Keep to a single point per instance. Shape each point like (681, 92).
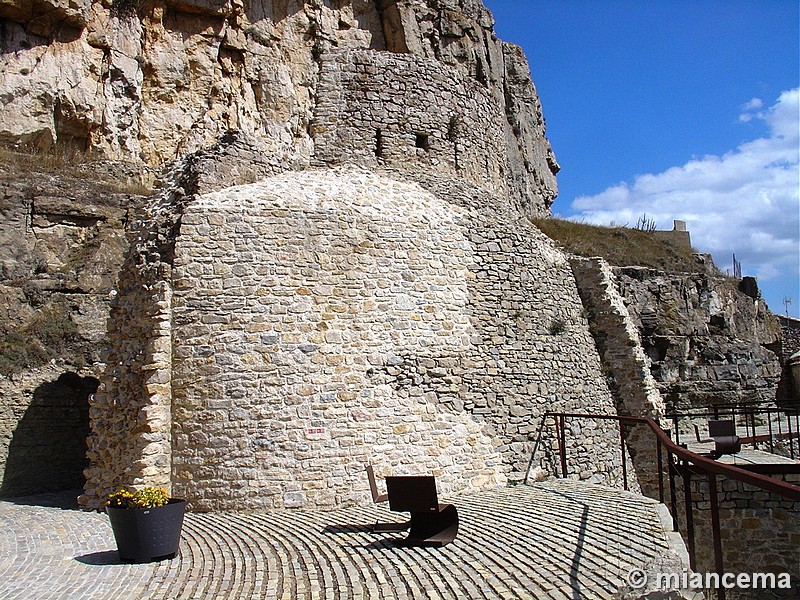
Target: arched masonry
(320, 320)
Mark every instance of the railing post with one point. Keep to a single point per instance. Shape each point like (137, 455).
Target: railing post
(771, 442)
(715, 531)
(791, 440)
(673, 501)
(660, 471)
(622, 451)
(796, 428)
(562, 445)
(687, 496)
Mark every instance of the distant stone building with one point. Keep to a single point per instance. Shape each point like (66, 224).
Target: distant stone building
(790, 336)
(678, 235)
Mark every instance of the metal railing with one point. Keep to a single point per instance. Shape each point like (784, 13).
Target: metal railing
(746, 416)
(682, 462)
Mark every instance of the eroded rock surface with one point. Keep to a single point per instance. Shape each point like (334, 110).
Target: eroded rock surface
(155, 81)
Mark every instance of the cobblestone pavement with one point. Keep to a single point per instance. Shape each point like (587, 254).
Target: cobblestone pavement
(557, 539)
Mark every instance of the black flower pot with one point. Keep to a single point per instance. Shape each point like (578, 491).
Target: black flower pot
(147, 534)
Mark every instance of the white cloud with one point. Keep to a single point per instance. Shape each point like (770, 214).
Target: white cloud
(748, 109)
(753, 104)
(745, 202)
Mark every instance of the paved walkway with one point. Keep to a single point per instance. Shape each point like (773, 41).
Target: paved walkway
(558, 539)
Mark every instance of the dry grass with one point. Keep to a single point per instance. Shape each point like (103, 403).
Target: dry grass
(44, 337)
(69, 163)
(620, 246)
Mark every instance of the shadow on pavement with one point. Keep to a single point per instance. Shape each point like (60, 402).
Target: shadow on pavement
(105, 558)
(66, 500)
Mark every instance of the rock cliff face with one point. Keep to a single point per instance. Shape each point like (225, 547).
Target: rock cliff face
(708, 341)
(154, 80)
(63, 231)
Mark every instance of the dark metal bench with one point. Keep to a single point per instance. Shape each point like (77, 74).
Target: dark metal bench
(723, 432)
(432, 523)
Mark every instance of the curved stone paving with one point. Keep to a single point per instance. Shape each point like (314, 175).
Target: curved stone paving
(557, 539)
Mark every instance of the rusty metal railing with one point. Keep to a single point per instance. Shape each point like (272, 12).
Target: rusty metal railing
(679, 462)
(746, 414)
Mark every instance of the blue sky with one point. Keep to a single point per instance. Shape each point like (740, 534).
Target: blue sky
(680, 110)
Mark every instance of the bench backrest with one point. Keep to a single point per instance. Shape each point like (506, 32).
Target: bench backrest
(412, 493)
(721, 428)
(373, 486)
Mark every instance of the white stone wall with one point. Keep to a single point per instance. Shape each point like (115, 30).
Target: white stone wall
(760, 530)
(290, 296)
(331, 318)
(625, 362)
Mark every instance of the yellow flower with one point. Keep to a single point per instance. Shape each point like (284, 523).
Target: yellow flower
(148, 497)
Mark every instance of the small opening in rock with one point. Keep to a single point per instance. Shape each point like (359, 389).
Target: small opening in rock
(378, 143)
(423, 141)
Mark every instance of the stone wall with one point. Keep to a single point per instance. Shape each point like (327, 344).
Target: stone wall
(329, 318)
(789, 386)
(399, 110)
(625, 363)
(760, 531)
(790, 336)
(130, 441)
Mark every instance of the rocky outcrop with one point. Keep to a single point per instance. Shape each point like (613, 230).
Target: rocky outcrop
(48, 17)
(158, 80)
(708, 342)
(64, 235)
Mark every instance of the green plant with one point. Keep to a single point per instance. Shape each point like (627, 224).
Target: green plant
(126, 8)
(454, 128)
(148, 497)
(557, 327)
(646, 224)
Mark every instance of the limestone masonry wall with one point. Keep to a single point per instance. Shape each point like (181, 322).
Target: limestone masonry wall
(329, 319)
(397, 109)
(325, 319)
(624, 360)
(760, 530)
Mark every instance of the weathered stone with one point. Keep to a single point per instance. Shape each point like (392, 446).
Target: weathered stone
(173, 78)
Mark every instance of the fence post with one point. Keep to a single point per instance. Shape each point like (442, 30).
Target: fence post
(622, 451)
(687, 497)
(715, 531)
(673, 500)
(660, 472)
(562, 443)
